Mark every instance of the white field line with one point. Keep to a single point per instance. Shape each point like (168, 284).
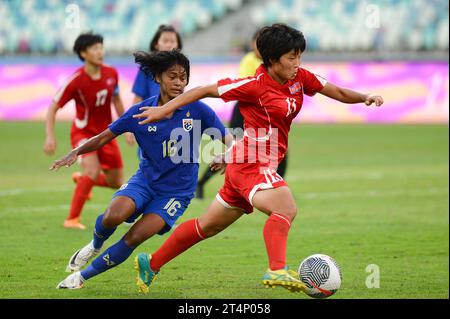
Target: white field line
(377, 193)
(321, 195)
(331, 177)
(289, 178)
(37, 209)
(21, 191)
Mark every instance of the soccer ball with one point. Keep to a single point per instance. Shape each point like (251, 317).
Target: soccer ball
(321, 275)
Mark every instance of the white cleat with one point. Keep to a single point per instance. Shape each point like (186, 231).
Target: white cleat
(73, 281)
(81, 257)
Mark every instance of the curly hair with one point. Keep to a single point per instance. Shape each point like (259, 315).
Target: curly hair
(157, 62)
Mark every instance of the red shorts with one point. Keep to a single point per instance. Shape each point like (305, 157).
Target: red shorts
(108, 155)
(243, 180)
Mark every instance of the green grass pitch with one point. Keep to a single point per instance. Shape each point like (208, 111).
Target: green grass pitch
(367, 194)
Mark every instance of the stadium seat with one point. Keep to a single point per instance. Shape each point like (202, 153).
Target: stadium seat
(404, 24)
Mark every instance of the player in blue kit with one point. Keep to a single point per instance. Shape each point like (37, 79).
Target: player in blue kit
(165, 182)
(166, 38)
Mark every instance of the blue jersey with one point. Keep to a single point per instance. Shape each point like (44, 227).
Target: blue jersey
(170, 147)
(144, 86)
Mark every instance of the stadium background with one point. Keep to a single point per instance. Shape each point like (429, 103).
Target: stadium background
(395, 48)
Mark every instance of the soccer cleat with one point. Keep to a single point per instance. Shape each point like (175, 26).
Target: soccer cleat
(73, 281)
(73, 223)
(75, 177)
(292, 273)
(146, 275)
(285, 278)
(81, 257)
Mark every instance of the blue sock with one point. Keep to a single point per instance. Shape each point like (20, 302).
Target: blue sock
(101, 233)
(111, 257)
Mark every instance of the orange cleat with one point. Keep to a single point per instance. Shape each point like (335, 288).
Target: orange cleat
(75, 177)
(73, 223)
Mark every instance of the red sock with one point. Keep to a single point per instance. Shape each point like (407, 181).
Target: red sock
(82, 189)
(183, 237)
(275, 233)
(101, 180)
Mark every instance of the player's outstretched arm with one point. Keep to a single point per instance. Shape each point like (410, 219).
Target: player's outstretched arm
(348, 96)
(154, 114)
(50, 139)
(92, 144)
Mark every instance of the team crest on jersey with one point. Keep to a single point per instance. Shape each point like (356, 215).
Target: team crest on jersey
(294, 88)
(188, 124)
(110, 81)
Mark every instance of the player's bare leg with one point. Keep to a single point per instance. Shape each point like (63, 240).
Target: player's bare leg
(279, 200)
(147, 226)
(120, 209)
(217, 218)
(114, 177)
(279, 204)
(90, 165)
(90, 169)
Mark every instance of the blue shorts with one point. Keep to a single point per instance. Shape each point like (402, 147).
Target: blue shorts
(147, 201)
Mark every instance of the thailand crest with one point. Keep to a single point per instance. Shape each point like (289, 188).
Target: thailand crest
(188, 124)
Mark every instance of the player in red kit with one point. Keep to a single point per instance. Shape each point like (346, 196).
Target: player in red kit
(93, 87)
(268, 101)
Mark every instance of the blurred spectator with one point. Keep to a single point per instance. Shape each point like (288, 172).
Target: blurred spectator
(340, 25)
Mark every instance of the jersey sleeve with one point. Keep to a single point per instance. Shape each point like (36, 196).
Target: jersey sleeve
(140, 85)
(312, 83)
(210, 120)
(244, 89)
(126, 122)
(66, 92)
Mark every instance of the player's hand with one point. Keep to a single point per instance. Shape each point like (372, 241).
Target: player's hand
(66, 161)
(218, 164)
(50, 145)
(129, 137)
(377, 99)
(151, 114)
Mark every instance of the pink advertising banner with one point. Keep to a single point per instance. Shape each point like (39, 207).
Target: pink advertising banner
(414, 92)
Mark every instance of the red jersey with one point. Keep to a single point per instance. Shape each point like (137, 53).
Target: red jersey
(268, 109)
(92, 99)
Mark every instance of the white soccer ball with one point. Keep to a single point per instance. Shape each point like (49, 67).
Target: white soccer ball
(321, 275)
